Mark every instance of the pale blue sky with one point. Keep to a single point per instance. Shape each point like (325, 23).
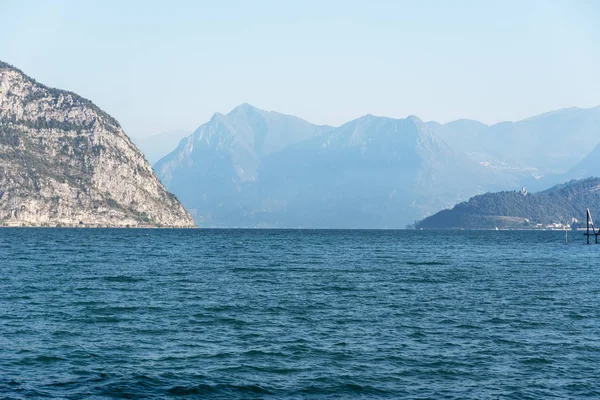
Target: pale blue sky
(167, 65)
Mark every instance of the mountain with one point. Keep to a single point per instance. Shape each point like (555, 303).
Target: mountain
(545, 145)
(252, 168)
(587, 166)
(64, 161)
(562, 203)
(157, 146)
(373, 172)
(215, 170)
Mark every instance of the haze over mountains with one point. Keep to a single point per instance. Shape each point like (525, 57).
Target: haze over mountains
(216, 169)
(545, 146)
(255, 168)
(157, 146)
(586, 167)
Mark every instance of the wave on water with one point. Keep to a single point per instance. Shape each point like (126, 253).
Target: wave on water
(254, 314)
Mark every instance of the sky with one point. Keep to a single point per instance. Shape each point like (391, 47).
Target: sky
(160, 66)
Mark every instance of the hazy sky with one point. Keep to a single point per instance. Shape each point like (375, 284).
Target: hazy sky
(168, 65)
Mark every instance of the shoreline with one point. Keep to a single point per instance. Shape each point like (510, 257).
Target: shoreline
(70, 226)
(279, 229)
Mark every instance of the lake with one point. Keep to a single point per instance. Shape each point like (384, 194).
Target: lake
(295, 314)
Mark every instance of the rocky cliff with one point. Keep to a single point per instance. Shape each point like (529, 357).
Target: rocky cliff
(63, 161)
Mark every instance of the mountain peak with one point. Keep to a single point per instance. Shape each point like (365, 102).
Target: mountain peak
(371, 117)
(414, 119)
(465, 122)
(216, 116)
(368, 119)
(244, 108)
(4, 65)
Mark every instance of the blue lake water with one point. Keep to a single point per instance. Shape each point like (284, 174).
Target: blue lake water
(259, 314)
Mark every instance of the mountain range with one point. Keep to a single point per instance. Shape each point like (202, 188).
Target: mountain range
(547, 144)
(256, 168)
(64, 161)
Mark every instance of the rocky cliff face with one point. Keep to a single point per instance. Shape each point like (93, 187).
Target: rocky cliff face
(63, 161)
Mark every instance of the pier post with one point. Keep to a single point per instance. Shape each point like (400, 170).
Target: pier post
(587, 224)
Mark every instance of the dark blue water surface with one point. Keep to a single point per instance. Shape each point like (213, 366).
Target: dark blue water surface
(258, 314)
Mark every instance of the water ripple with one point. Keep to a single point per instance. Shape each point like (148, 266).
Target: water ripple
(226, 314)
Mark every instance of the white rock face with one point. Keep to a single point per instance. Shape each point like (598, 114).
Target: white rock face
(63, 161)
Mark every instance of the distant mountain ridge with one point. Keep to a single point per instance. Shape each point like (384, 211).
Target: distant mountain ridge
(64, 161)
(542, 145)
(561, 204)
(253, 168)
(256, 168)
